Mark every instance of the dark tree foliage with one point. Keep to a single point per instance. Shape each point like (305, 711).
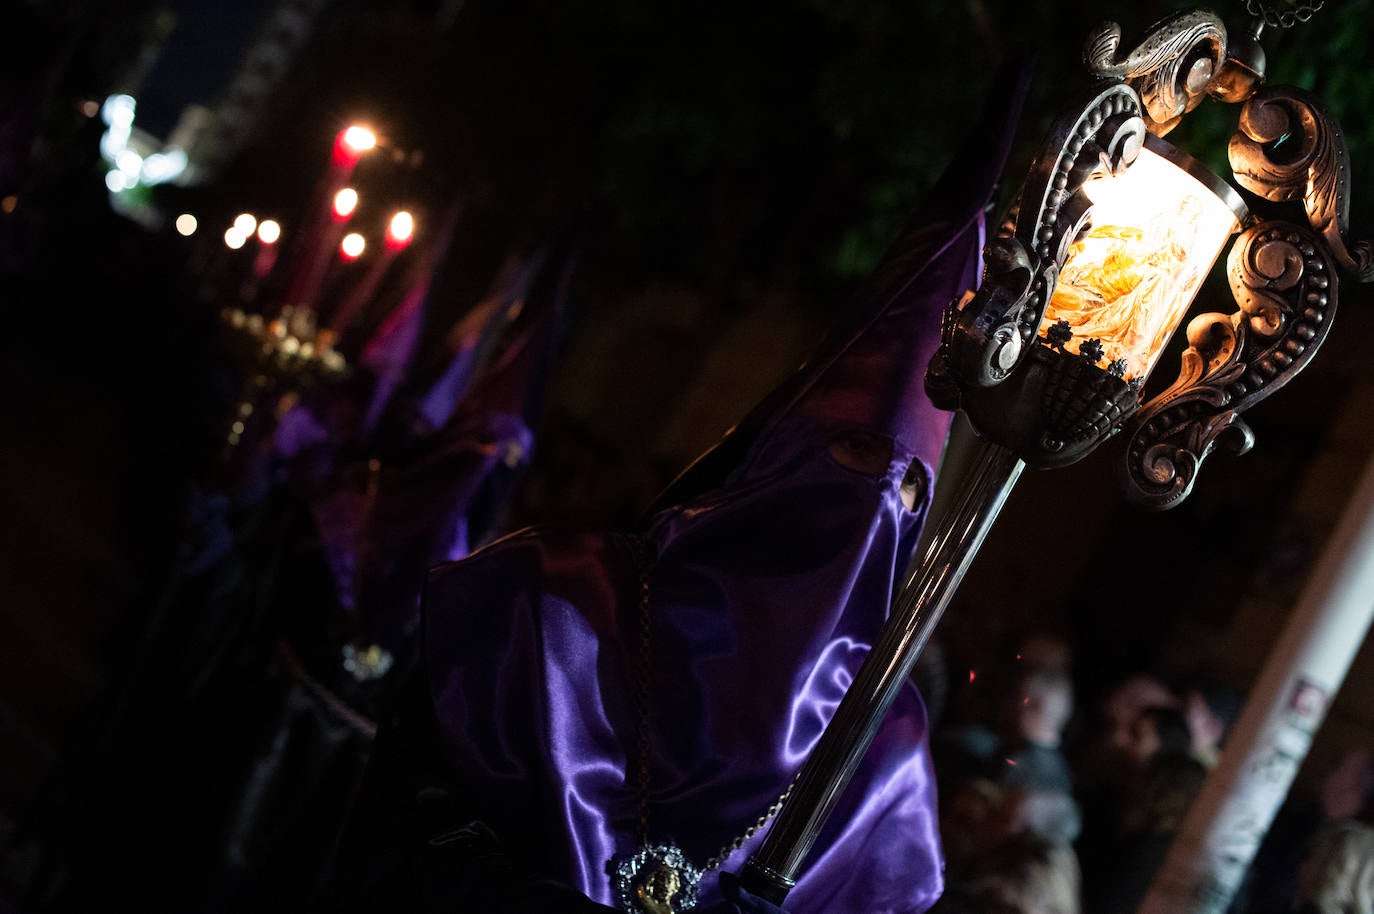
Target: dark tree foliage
(709, 142)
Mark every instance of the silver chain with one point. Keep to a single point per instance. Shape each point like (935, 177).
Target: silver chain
(724, 853)
(646, 647)
(1285, 19)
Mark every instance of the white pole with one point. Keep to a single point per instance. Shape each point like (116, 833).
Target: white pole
(1229, 818)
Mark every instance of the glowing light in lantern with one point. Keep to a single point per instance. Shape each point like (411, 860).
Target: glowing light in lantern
(186, 225)
(1156, 230)
(269, 231)
(352, 246)
(246, 223)
(234, 239)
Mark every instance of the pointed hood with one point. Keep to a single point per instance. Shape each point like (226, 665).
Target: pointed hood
(443, 493)
(740, 613)
(489, 437)
(390, 350)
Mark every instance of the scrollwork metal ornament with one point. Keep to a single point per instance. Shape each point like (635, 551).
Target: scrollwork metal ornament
(1171, 68)
(1314, 168)
(990, 333)
(989, 336)
(1281, 276)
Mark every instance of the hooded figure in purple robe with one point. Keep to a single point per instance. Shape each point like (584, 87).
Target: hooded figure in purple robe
(420, 475)
(446, 491)
(380, 523)
(585, 692)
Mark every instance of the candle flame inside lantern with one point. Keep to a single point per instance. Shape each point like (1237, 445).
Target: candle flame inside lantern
(1129, 278)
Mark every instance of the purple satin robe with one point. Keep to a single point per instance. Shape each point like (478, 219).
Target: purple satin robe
(766, 586)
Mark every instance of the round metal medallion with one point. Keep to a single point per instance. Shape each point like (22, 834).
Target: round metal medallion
(658, 879)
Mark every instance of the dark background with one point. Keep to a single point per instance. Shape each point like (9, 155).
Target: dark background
(729, 173)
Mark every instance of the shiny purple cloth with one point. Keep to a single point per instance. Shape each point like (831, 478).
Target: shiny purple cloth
(767, 585)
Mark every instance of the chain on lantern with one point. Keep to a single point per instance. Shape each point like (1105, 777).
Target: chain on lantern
(1087, 279)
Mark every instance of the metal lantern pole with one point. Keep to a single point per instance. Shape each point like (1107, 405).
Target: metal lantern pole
(1229, 818)
(960, 532)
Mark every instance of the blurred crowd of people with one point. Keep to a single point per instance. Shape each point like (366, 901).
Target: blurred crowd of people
(1057, 803)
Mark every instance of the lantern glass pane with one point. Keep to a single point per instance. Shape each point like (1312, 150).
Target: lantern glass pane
(1130, 277)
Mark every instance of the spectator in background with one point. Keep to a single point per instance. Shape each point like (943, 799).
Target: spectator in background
(1338, 875)
(1124, 704)
(1011, 722)
(1049, 814)
(1103, 771)
(1166, 778)
(1025, 875)
(1021, 785)
(1032, 758)
(1171, 776)
(1347, 791)
(1210, 709)
(1344, 794)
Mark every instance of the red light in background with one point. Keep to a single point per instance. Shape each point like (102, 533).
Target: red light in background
(345, 202)
(352, 246)
(351, 143)
(401, 230)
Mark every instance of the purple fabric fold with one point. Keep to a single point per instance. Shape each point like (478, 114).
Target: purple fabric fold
(766, 590)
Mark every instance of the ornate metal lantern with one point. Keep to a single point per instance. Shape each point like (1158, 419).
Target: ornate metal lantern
(1108, 245)
(1087, 279)
(1138, 239)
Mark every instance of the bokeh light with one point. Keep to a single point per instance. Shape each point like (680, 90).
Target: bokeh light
(352, 246)
(401, 229)
(359, 139)
(345, 202)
